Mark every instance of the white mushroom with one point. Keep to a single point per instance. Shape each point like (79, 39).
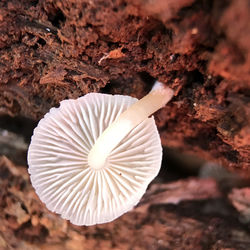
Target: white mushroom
(91, 159)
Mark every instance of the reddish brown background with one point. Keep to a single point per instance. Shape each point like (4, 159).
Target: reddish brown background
(52, 50)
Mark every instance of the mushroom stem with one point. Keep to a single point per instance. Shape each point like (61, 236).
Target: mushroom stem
(129, 119)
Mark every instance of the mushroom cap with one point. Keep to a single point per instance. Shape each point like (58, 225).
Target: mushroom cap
(58, 160)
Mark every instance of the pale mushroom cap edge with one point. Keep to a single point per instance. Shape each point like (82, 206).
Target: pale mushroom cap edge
(58, 165)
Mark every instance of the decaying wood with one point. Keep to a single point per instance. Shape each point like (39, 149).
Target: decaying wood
(54, 50)
(187, 214)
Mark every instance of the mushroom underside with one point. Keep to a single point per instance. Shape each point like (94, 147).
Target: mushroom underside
(58, 160)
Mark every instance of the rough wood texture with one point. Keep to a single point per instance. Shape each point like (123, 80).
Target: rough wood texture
(52, 50)
(187, 214)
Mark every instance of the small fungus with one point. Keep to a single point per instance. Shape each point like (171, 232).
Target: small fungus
(92, 158)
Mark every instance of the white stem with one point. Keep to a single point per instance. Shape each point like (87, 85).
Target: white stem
(128, 120)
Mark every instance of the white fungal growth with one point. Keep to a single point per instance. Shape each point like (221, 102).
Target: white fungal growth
(91, 159)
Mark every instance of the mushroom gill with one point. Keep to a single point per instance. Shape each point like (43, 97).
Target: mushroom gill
(67, 180)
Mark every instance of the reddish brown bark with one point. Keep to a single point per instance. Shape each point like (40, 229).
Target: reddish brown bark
(52, 50)
(188, 214)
